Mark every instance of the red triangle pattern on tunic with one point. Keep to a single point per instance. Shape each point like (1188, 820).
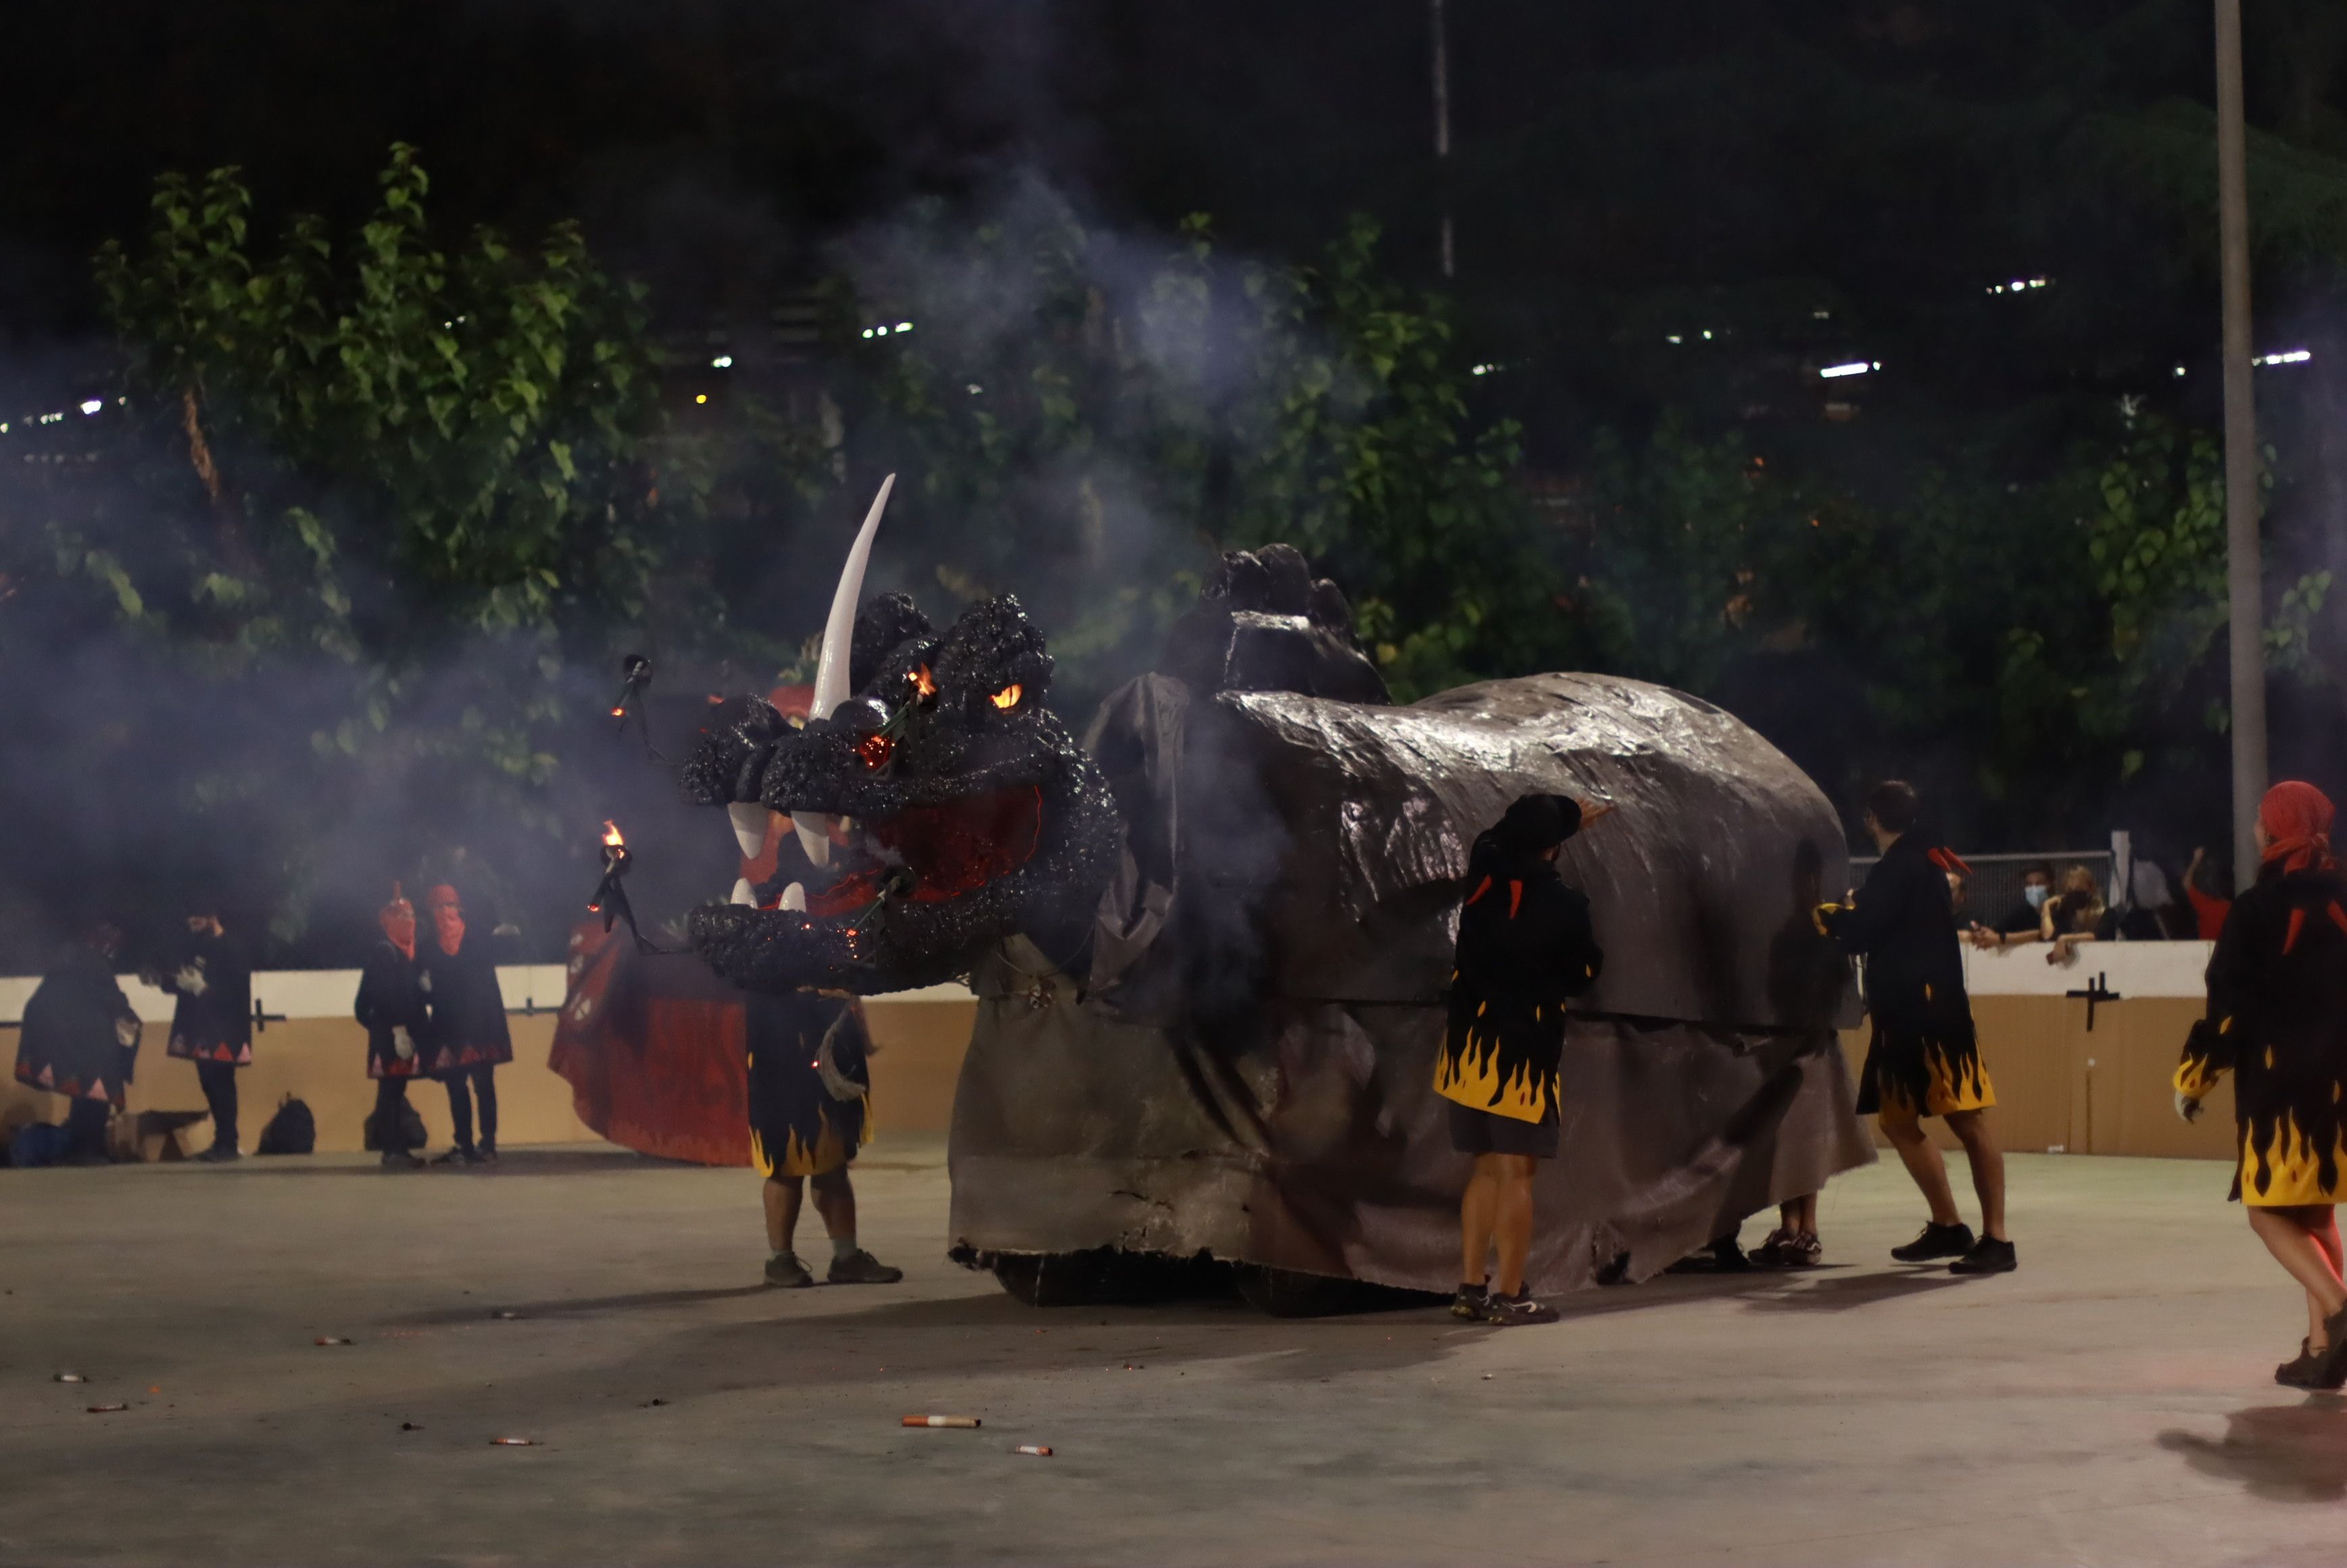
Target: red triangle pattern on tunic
(47, 1080)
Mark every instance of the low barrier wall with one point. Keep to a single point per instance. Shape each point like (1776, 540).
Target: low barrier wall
(312, 1048)
(2083, 1055)
(2076, 1074)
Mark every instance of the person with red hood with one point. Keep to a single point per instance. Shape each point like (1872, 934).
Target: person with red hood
(2277, 1019)
(469, 1037)
(1924, 1059)
(394, 1005)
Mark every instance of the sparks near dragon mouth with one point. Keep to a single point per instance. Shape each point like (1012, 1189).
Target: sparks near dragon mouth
(940, 804)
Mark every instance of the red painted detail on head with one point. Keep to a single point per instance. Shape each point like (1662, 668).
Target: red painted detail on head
(1480, 888)
(1515, 898)
(2297, 924)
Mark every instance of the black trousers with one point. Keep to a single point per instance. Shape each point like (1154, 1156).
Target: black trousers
(85, 1121)
(460, 1105)
(218, 1081)
(390, 1112)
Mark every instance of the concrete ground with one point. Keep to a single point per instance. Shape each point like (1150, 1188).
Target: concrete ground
(2109, 1404)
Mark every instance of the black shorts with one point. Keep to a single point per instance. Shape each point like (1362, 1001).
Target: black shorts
(1474, 1131)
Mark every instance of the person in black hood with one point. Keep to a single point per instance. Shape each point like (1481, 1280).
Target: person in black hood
(1923, 1060)
(395, 1005)
(470, 1036)
(80, 1041)
(1525, 948)
(212, 1026)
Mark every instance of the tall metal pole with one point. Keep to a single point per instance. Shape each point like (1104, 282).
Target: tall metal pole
(2244, 572)
(1442, 130)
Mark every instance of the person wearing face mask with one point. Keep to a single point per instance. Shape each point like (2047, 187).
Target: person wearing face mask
(394, 1006)
(212, 1025)
(2021, 924)
(469, 1037)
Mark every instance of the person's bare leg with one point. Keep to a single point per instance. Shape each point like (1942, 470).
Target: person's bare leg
(835, 1199)
(1971, 1128)
(1512, 1230)
(2289, 1234)
(1479, 1208)
(1799, 1216)
(1929, 1171)
(784, 1195)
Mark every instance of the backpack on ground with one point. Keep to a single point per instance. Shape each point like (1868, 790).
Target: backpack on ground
(293, 1130)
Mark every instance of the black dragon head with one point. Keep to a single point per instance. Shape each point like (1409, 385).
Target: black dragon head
(943, 806)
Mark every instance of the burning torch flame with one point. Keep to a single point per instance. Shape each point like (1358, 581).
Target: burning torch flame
(612, 838)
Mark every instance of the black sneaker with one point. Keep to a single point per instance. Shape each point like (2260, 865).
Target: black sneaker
(2305, 1371)
(400, 1160)
(1467, 1305)
(1936, 1242)
(1512, 1311)
(860, 1267)
(2330, 1365)
(786, 1270)
(1988, 1255)
(456, 1157)
(220, 1154)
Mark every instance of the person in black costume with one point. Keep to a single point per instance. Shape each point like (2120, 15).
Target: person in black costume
(212, 1026)
(1525, 948)
(80, 1039)
(469, 1037)
(2277, 1019)
(1923, 1060)
(809, 1109)
(394, 1006)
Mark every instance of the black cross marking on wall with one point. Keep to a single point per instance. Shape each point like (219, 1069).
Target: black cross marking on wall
(2095, 992)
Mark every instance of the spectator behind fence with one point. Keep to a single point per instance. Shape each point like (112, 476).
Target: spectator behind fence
(2072, 915)
(2151, 913)
(2205, 884)
(2019, 926)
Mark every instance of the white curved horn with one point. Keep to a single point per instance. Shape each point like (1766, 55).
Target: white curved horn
(748, 819)
(831, 667)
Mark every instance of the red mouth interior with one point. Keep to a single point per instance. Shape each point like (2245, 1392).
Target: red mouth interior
(949, 849)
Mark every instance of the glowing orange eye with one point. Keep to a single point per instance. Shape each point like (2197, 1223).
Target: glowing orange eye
(1008, 698)
(923, 685)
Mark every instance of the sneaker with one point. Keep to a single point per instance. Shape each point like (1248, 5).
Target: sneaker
(220, 1154)
(456, 1157)
(786, 1270)
(1513, 1311)
(1467, 1305)
(2306, 1370)
(488, 1154)
(2330, 1365)
(1988, 1255)
(1936, 1242)
(1796, 1249)
(860, 1267)
(400, 1160)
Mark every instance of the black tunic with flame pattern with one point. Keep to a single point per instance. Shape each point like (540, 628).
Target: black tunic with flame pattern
(1924, 1059)
(1525, 948)
(2277, 1019)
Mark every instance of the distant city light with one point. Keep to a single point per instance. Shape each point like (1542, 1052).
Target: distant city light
(2288, 357)
(1821, 315)
(2021, 285)
(904, 326)
(975, 389)
(92, 404)
(1855, 368)
(1707, 335)
(2179, 371)
(1483, 370)
(1675, 338)
(701, 397)
(723, 362)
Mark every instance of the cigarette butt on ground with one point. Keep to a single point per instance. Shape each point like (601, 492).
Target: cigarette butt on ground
(942, 1422)
(1041, 1451)
(331, 1339)
(513, 1442)
(71, 1378)
(105, 1410)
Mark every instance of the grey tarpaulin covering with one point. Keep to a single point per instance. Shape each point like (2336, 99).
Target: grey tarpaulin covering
(1247, 1069)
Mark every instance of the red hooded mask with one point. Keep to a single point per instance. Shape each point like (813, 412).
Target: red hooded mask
(447, 917)
(398, 921)
(2296, 820)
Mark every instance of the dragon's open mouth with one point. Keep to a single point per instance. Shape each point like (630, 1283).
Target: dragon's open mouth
(949, 849)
